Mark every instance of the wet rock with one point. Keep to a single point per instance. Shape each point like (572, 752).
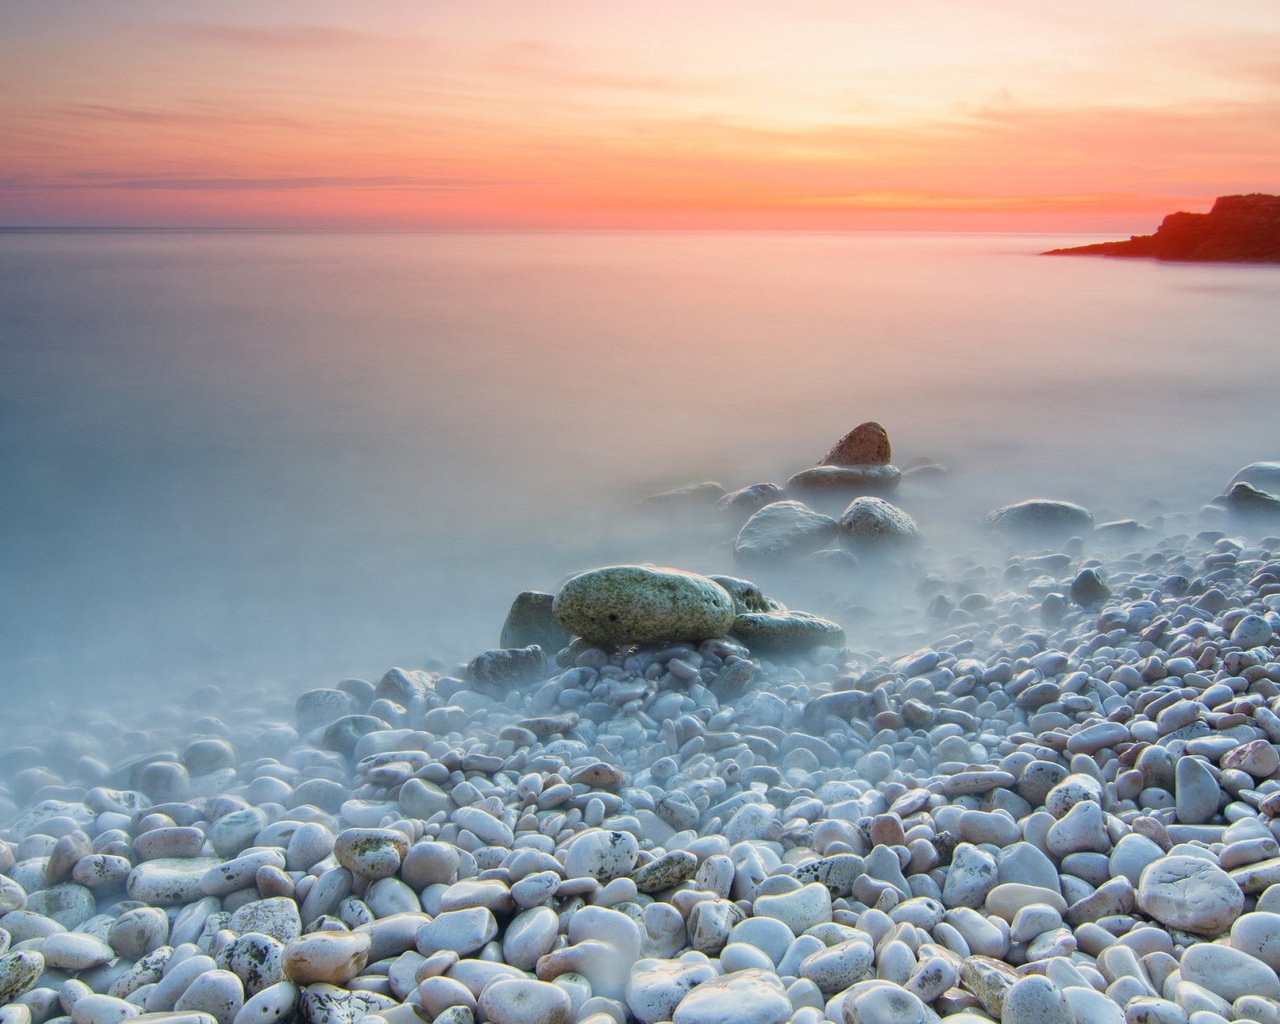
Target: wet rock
(497, 671)
(782, 530)
(869, 521)
(633, 603)
(788, 632)
(531, 621)
(867, 444)
(1041, 516)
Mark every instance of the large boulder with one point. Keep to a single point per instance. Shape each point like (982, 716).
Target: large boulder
(784, 529)
(867, 444)
(623, 604)
(870, 520)
(532, 621)
(1041, 516)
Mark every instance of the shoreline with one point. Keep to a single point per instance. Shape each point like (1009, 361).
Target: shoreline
(1064, 798)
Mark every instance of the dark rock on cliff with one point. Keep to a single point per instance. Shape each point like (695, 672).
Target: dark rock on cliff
(1239, 229)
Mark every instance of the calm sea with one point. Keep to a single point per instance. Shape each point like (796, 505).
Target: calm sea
(296, 457)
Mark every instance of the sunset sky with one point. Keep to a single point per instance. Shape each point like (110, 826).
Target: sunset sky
(931, 114)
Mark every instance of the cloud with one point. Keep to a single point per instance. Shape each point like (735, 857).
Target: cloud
(546, 63)
(289, 36)
(285, 183)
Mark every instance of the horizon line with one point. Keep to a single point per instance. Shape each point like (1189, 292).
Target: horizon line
(526, 229)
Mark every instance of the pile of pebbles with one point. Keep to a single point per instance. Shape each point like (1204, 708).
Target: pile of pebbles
(1062, 811)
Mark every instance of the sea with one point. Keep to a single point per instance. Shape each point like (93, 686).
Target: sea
(290, 458)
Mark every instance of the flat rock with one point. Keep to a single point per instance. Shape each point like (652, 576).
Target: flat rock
(786, 632)
(1190, 894)
(848, 480)
(1041, 516)
(169, 882)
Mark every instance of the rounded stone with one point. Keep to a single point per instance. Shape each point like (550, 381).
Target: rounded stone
(871, 520)
(634, 603)
(1228, 972)
(1036, 1000)
(518, 1001)
(169, 882)
(18, 972)
(867, 444)
(784, 529)
(1189, 893)
(601, 855)
(330, 957)
(752, 996)
(1040, 516)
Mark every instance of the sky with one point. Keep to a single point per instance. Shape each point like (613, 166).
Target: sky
(753, 114)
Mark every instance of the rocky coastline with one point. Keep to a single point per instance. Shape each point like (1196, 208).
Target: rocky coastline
(669, 797)
(1238, 229)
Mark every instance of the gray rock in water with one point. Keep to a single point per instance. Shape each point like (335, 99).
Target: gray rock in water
(633, 604)
(700, 495)
(747, 597)
(786, 632)
(1245, 499)
(782, 530)
(1089, 589)
(1041, 516)
(532, 621)
(498, 671)
(317, 708)
(847, 479)
(871, 520)
(1263, 475)
(754, 497)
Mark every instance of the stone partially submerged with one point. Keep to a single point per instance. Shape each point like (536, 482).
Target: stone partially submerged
(695, 496)
(625, 604)
(786, 632)
(1248, 500)
(747, 597)
(531, 620)
(1040, 516)
(867, 444)
(783, 530)
(870, 520)
(849, 479)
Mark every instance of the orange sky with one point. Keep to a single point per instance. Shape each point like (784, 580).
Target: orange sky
(933, 114)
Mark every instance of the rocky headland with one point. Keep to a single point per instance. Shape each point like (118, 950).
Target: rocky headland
(1238, 229)
(668, 797)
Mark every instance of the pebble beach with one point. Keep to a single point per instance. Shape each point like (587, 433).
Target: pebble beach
(665, 796)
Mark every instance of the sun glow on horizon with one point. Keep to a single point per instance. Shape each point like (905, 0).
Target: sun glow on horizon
(571, 114)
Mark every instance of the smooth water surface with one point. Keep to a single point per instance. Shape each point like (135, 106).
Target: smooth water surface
(299, 456)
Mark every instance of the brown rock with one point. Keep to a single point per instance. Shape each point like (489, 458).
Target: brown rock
(865, 445)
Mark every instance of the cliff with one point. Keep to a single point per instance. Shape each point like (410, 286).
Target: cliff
(1239, 229)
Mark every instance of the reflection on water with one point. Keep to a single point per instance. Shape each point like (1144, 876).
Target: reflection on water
(302, 455)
